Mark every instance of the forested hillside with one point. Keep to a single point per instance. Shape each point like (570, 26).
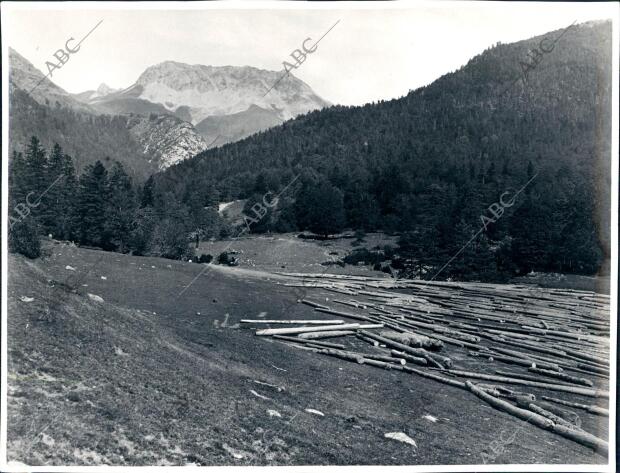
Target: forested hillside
(86, 137)
(430, 163)
(101, 207)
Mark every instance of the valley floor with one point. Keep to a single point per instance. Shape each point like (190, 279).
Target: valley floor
(144, 363)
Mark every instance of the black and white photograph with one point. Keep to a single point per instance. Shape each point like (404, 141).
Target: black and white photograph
(335, 236)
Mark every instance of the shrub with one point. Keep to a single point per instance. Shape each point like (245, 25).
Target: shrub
(205, 258)
(24, 239)
(224, 258)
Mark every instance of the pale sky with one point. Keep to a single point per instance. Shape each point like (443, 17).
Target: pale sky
(376, 51)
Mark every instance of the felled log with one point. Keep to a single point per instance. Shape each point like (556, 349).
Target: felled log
(457, 335)
(579, 436)
(287, 322)
(545, 413)
(296, 330)
(526, 377)
(410, 358)
(592, 368)
(384, 362)
(313, 342)
(558, 333)
(452, 341)
(534, 384)
(413, 351)
(533, 347)
(565, 414)
(314, 304)
(441, 379)
(374, 343)
(412, 339)
(586, 407)
(328, 334)
(590, 359)
(386, 359)
(529, 358)
(357, 358)
(350, 304)
(505, 359)
(343, 314)
(589, 373)
(562, 376)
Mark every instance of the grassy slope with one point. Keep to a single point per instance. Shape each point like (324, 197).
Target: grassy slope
(143, 379)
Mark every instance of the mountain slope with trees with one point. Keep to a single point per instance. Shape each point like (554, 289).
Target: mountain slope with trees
(430, 163)
(526, 129)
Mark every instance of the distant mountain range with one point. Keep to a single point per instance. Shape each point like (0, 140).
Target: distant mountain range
(171, 113)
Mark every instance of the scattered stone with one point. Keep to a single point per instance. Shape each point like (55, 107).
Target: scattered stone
(70, 268)
(273, 413)
(401, 437)
(96, 298)
(26, 299)
(430, 418)
(47, 440)
(314, 411)
(119, 351)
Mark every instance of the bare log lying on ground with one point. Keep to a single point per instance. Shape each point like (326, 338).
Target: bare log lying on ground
(296, 330)
(587, 407)
(528, 377)
(374, 343)
(410, 358)
(287, 322)
(328, 334)
(313, 342)
(343, 314)
(385, 362)
(538, 409)
(314, 304)
(413, 351)
(534, 384)
(412, 339)
(576, 435)
(441, 379)
(529, 357)
(507, 359)
(562, 376)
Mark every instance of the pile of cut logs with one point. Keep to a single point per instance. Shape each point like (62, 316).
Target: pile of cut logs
(544, 340)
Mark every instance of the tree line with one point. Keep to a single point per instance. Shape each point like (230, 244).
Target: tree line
(102, 207)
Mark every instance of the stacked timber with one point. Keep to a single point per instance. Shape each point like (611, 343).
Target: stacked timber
(542, 341)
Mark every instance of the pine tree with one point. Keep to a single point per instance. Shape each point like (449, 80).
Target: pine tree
(69, 221)
(93, 195)
(55, 193)
(146, 196)
(35, 180)
(120, 209)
